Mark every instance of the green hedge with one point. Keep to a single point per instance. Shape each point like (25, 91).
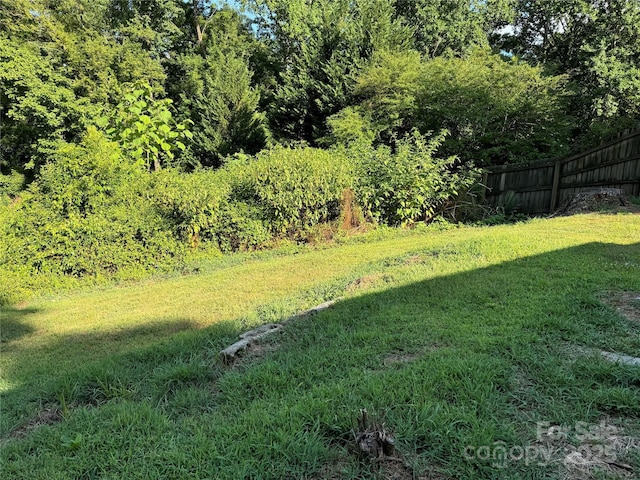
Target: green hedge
(88, 215)
(296, 188)
(201, 209)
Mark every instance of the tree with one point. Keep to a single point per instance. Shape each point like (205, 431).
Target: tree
(37, 105)
(212, 85)
(387, 89)
(453, 26)
(316, 52)
(595, 43)
(498, 110)
(61, 66)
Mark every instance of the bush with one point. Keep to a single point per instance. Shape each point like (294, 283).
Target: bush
(200, 209)
(241, 227)
(293, 188)
(191, 202)
(407, 185)
(88, 214)
(11, 184)
(497, 110)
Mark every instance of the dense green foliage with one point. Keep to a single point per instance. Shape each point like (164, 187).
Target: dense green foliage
(316, 52)
(93, 215)
(597, 44)
(87, 216)
(134, 133)
(497, 111)
(289, 66)
(453, 26)
(144, 128)
(296, 188)
(211, 83)
(407, 184)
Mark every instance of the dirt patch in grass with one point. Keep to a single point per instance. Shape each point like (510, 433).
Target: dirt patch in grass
(597, 451)
(397, 469)
(332, 471)
(415, 259)
(366, 282)
(574, 352)
(260, 349)
(48, 416)
(401, 357)
(626, 304)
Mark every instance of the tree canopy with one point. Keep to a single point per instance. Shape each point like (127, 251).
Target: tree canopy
(258, 72)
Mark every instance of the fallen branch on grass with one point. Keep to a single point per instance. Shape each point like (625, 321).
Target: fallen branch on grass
(624, 359)
(232, 352)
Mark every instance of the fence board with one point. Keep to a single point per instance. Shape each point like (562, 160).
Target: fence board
(542, 187)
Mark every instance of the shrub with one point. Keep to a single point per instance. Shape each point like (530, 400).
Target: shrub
(293, 188)
(145, 129)
(408, 184)
(191, 202)
(200, 209)
(241, 227)
(88, 214)
(11, 184)
(497, 110)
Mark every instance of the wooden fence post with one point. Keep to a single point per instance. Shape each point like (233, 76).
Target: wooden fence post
(503, 182)
(554, 188)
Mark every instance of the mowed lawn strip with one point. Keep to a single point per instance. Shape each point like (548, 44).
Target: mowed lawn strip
(457, 338)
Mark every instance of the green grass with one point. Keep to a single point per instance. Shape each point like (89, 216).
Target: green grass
(456, 340)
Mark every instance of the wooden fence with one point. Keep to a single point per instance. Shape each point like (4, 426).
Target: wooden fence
(542, 187)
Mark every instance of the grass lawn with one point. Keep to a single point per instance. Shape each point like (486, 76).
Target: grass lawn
(478, 348)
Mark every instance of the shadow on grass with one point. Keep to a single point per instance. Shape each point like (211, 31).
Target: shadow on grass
(474, 306)
(78, 349)
(464, 359)
(87, 364)
(12, 326)
(157, 329)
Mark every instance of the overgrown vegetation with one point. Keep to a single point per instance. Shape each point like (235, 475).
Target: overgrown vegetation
(137, 134)
(95, 214)
(409, 184)
(497, 110)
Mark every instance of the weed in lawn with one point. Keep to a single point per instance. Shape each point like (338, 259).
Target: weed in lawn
(71, 444)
